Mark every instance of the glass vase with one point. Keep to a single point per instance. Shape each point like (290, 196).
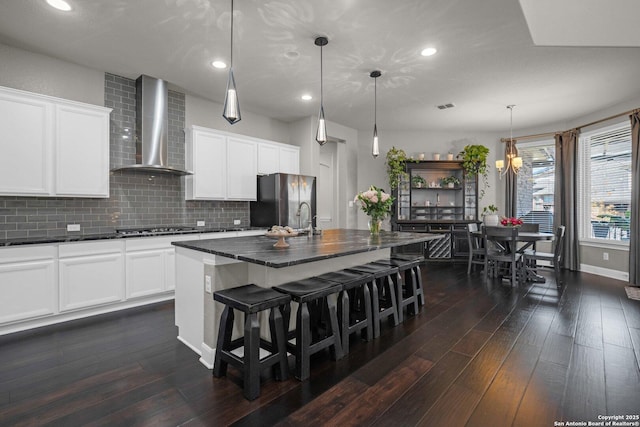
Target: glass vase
(375, 225)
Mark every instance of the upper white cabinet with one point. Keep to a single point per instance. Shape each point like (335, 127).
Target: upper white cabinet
(274, 157)
(26, 135)
(82, 151)
(52, 147)
(224, 166)
(242, 163)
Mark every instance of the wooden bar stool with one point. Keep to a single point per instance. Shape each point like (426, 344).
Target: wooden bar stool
(383, 293)
(244, 352)
(410, 292)
(313, 295)
(354, 304)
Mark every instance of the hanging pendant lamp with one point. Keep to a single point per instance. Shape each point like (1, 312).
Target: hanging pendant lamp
(231, 104)
(375, 148)
(514, 162)
(321, 134)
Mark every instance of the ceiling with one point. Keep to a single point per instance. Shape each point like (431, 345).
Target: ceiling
(486, 57)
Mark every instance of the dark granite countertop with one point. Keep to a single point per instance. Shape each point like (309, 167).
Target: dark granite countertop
(107, 236)
(303, 249)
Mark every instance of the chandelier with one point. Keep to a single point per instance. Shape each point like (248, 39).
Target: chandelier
(514, 162)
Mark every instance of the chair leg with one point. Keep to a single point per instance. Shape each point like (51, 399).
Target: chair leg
(278, 338)
(398, 283)
(375, 307)
(419, 288)
(414, 306)
(335, 329)
(344, 320)
(394, 300)
(368, 311)
(224, 341)
(251, 356)
(303, 342)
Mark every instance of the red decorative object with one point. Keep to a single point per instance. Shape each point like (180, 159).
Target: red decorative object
(511, 222)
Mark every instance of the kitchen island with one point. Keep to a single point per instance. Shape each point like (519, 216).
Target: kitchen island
(205, 266)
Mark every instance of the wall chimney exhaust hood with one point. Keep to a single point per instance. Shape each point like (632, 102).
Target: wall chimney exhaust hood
(152, 125)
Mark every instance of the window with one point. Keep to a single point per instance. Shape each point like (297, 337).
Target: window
(605, 184)
(536, 180)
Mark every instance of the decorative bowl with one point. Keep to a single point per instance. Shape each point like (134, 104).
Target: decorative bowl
(281, 243)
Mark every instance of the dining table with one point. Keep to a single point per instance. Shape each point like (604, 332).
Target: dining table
(529, 238)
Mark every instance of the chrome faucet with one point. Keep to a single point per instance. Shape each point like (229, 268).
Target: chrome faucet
(310, 218)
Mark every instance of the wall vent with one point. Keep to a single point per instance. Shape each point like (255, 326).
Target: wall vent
(446, 106)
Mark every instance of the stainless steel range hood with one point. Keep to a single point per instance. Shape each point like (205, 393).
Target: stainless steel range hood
(152, 128)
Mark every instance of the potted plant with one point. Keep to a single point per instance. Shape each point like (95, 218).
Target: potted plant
(396, 160)
(474, 163)
(450, 181)
(490, 216)
(418, 182)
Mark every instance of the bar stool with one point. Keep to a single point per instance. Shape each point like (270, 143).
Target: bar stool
(407, 288)
(354, 304)
(311, 335)
(383, 293)
(244, 352)
(416, 261)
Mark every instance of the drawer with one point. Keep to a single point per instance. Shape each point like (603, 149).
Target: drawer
(420, 228)
(439, 228)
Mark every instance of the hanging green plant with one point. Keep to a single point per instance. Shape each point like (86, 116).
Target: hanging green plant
(396, 161)
(474, 163)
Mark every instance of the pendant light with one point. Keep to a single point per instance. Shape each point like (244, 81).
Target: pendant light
(514, 162)
(321, 134)
(231, 105)
(375, 148)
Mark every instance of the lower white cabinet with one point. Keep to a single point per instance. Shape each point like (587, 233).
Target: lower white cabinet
(28, 286)
(150, 265)
(90, 274)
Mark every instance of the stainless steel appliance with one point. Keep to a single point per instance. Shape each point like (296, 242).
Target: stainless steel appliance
(285, 199)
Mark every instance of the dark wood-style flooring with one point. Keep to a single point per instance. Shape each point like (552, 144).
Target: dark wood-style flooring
(478, 354)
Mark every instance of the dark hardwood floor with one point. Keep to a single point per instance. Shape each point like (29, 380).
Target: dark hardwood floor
(478, 354)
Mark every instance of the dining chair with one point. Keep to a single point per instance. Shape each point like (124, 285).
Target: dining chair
(476, 251)
(528, 227)
(531, 257)
(500, 252)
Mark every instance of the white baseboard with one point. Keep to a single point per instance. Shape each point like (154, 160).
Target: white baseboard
(606, 272)
(207, 356)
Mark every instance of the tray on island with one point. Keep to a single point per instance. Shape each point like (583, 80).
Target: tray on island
(281, 243)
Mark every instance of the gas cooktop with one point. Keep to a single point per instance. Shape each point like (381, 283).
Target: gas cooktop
(153, 230)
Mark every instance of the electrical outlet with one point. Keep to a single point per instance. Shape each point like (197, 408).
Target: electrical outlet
(199, 223)
(207, 284)
(236, 222)
(605, 256)
(73, 227)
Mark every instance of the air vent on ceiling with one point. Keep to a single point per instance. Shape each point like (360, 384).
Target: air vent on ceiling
(446, 106)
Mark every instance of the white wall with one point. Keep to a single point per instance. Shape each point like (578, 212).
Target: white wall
(33, 72)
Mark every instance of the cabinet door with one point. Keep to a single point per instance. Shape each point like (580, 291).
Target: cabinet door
(145, 273)
(82, 151)
(242, 183)
(208, 157)
(268, 158)
(26, 136)
(91, 280)
(27, 290)
(290, 160)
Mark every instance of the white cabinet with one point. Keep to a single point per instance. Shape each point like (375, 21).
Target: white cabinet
(52, 147)
(150, 265)
(242, 161)
(90, 274)
(26, 135)
(82, 151)
(274, 157)
(224, 166)
(28, 288)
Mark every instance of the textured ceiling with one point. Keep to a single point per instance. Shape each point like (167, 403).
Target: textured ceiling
(486, 57)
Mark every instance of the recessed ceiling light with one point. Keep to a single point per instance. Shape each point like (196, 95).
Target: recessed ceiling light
(60, 5)
(292, 54)
(429, 51)
(219, 64)
(306, 97)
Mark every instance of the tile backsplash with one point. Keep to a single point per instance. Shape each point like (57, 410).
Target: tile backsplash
(136, 199)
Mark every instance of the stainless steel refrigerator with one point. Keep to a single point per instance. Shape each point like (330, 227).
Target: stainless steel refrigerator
(284, 199)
